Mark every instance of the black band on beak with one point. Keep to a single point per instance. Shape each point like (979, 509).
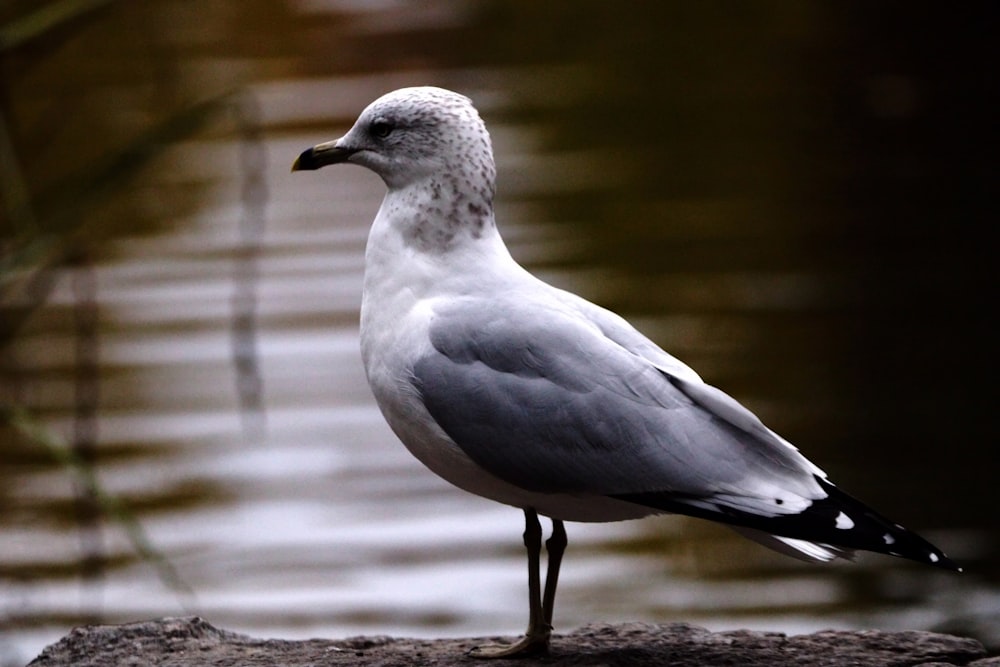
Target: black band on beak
(320, 156)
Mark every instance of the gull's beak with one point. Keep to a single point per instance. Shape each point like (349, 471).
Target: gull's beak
(321, 155)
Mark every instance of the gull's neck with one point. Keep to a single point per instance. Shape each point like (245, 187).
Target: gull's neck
(423, 246)
(429, 235)
(440, 213)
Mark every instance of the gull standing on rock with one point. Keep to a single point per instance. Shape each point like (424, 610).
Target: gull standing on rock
(529, 395)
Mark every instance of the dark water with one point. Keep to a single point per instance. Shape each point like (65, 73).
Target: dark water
(793, 198)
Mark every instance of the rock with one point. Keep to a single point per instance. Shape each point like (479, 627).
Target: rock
(983, 625)
(193, 642)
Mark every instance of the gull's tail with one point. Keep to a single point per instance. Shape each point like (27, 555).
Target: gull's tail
(829, 527)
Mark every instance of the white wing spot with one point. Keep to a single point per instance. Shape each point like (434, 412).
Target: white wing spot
(934, 558)
(844, 522)
(888, 539)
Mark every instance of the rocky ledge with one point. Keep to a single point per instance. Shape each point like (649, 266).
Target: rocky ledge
(193, 642)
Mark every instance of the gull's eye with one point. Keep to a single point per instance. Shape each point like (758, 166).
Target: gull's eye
(380, 129)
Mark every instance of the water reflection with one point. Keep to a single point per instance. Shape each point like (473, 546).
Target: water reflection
(725, 179)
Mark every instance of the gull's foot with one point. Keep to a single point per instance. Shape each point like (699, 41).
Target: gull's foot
(530, 644)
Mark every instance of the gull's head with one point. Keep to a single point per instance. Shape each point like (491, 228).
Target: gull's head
(413, 134)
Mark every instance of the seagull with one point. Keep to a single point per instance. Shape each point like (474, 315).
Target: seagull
(531, 396)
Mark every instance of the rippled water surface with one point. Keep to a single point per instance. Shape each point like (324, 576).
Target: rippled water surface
(773, 204)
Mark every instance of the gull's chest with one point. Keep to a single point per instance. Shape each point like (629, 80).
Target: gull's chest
(394, 332)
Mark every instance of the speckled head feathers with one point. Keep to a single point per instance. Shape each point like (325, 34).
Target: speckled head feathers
(432, 150)
(411, 133)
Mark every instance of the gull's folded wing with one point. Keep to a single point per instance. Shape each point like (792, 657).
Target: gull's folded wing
(556, 400)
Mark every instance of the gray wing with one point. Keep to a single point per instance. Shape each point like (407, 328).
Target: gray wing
(542, 398)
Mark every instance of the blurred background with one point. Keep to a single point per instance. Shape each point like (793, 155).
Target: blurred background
(794, 198)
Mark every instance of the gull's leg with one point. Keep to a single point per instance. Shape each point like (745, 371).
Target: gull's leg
(555, 546)
(536, 639)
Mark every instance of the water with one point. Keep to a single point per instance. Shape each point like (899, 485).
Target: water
(714, 176)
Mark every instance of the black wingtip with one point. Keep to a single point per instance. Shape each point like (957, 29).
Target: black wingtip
(938, 559)
(839, 520)
(873, 532)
